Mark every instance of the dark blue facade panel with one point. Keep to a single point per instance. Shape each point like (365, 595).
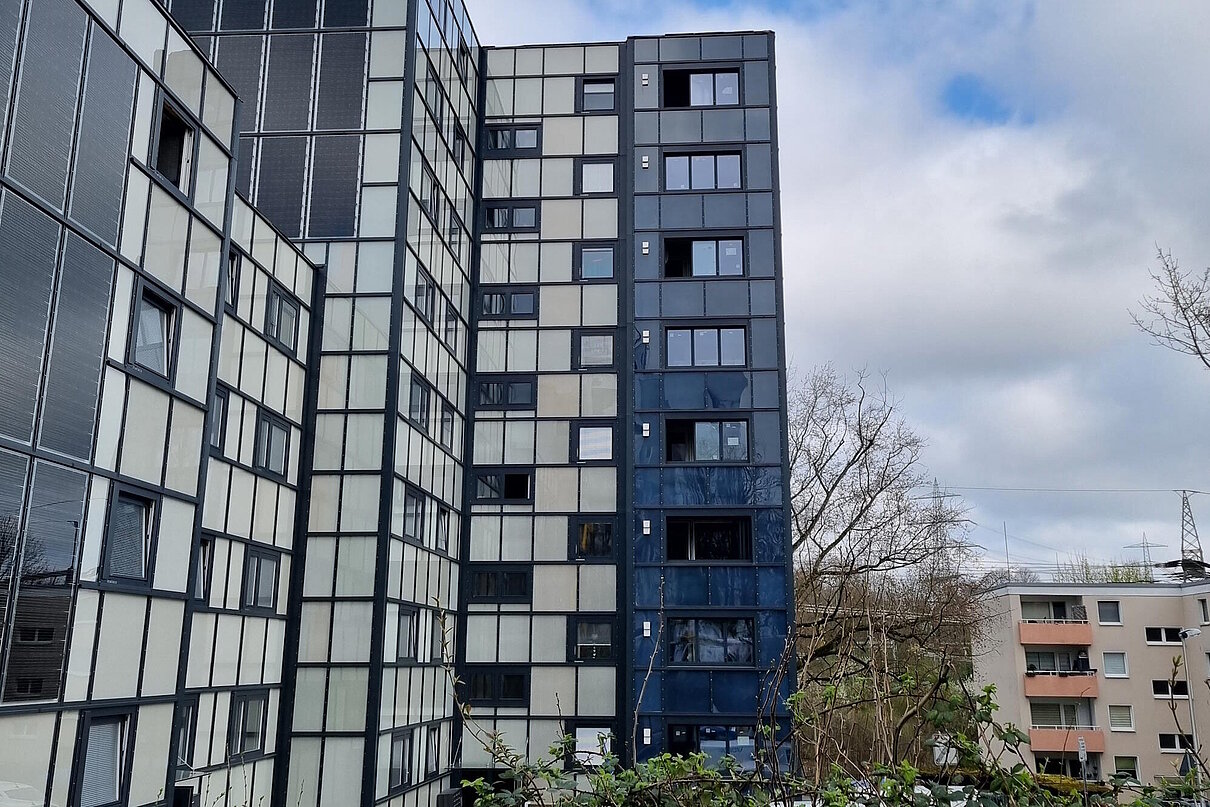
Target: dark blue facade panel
(288, 82)
(279, 192)
(238, 59)
(241, 15)
(341, 81)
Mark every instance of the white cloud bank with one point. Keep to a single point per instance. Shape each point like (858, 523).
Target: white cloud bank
(987, 269)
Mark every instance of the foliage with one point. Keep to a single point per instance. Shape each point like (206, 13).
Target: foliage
(989, 772)
(1177, 316)
(1079, 569)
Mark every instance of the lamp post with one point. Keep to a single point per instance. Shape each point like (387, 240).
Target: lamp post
(1190, 633)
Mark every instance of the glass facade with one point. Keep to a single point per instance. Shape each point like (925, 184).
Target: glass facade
(342, 355)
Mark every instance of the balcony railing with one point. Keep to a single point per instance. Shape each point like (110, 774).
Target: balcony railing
(1056, 621)
(1061, 673)
(1077, 727)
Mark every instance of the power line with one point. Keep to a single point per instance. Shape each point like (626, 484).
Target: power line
(1069, 490)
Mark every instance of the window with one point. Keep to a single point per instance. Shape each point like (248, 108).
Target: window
(35, 635)
(709, 539)
(458, 150)
(218, 418)
(596, 263)
(701, 172)
(592, 539)
(405, 635)
(443, 528)
(436, 639)
(231, 292)
(1054, 715)
(716, 742)
(401, 761)
(510, 394)
(592, 743)
(281, 319)
(597, 95)
(685, 88)
(497, 686)
(1170, 689)
(594, 443)
(260, 580)
(505, 486)
(1203, 610)
(102, 780)
(1176, 742)
(205, 561)
(1121, 718)
(1109, 612)
(512, 140)
(154, 329)
(424, 297)
(1126, 767)
(1163, 635)
(691, 257)
(592, 639)
(508, 304)
(128, 542)
(507, 584)
(1114, 664)
(511, 217)
(173, 151)
(272, 444)
(594, 350)
(705, 347)
(711, 641)
(450, 333)
(186, 732)
(447, 425)
(413, 516)
(432, 747)
(248, 720)
(418, 403)
(596, 176)
(706, 440)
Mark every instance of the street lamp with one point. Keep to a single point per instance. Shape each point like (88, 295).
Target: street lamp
(1191, 633)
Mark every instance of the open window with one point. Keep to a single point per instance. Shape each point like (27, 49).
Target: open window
(173, 151)
(710, 257)
(154, 331)
(706, 440)
(695, 88)
(129, 539)
(702, 538)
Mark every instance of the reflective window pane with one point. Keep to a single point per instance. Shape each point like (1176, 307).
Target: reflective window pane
(733, 350)
(705, 347)
(596, 178)
(705, 441)
(596, 263)
(728, 171)
(596, 350)
(726, 89)
(596, 443)
(152, 334)
(703, 171)
(680, 348)
(527, 216)
(598, 96)
(526, 138)
(701, 89)
(676, 173)
(704, 258)
(731, 257)
(735, 441)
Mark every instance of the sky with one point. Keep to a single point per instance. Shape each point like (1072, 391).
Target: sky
(972, 197)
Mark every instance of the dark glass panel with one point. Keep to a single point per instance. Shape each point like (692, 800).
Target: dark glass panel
(687, 691)
(13, 468)
(684, 390)
(771, 627)
(731, 586)
(339, 13)
(334, 186)
(279, 194)
(736, 693)
(685, 486)
(341, 81)
(100, 169)
(243, 176)
(73, 380)
(45, 116)
(727, 390)
(771, 588)
(294, 14)
(647, 391)
(241, 15)
(10, 21)
(685, 586)
(194, 15)
(647, 487)
(48, 573)
(30, 241)
(770, 535)
(288, 82)
(239, 62)
(646, 589)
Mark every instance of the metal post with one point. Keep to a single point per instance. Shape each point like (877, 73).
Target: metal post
(1189, 633)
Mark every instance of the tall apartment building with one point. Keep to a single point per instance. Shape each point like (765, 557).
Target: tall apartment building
(342, 352)
(1096, 662)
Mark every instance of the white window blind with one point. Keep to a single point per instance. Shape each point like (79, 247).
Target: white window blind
(1044, 714)
(100, 783)
(1121, 717)
(1115, 663)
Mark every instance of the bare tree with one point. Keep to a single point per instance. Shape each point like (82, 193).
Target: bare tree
(1177, 316)
(886, 611)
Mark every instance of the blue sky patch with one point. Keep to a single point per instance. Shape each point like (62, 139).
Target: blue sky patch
(968, 97)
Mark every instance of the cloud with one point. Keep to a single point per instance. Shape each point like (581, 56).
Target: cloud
(972, 194)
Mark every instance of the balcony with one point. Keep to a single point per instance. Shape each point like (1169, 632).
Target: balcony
(1050, 739)
(1065, 684)
(1056, 632)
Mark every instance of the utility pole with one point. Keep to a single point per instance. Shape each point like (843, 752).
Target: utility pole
(1008, 567)
(1146, 546)
(1192, 563)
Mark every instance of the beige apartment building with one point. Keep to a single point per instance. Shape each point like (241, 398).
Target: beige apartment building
(1095, 662)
